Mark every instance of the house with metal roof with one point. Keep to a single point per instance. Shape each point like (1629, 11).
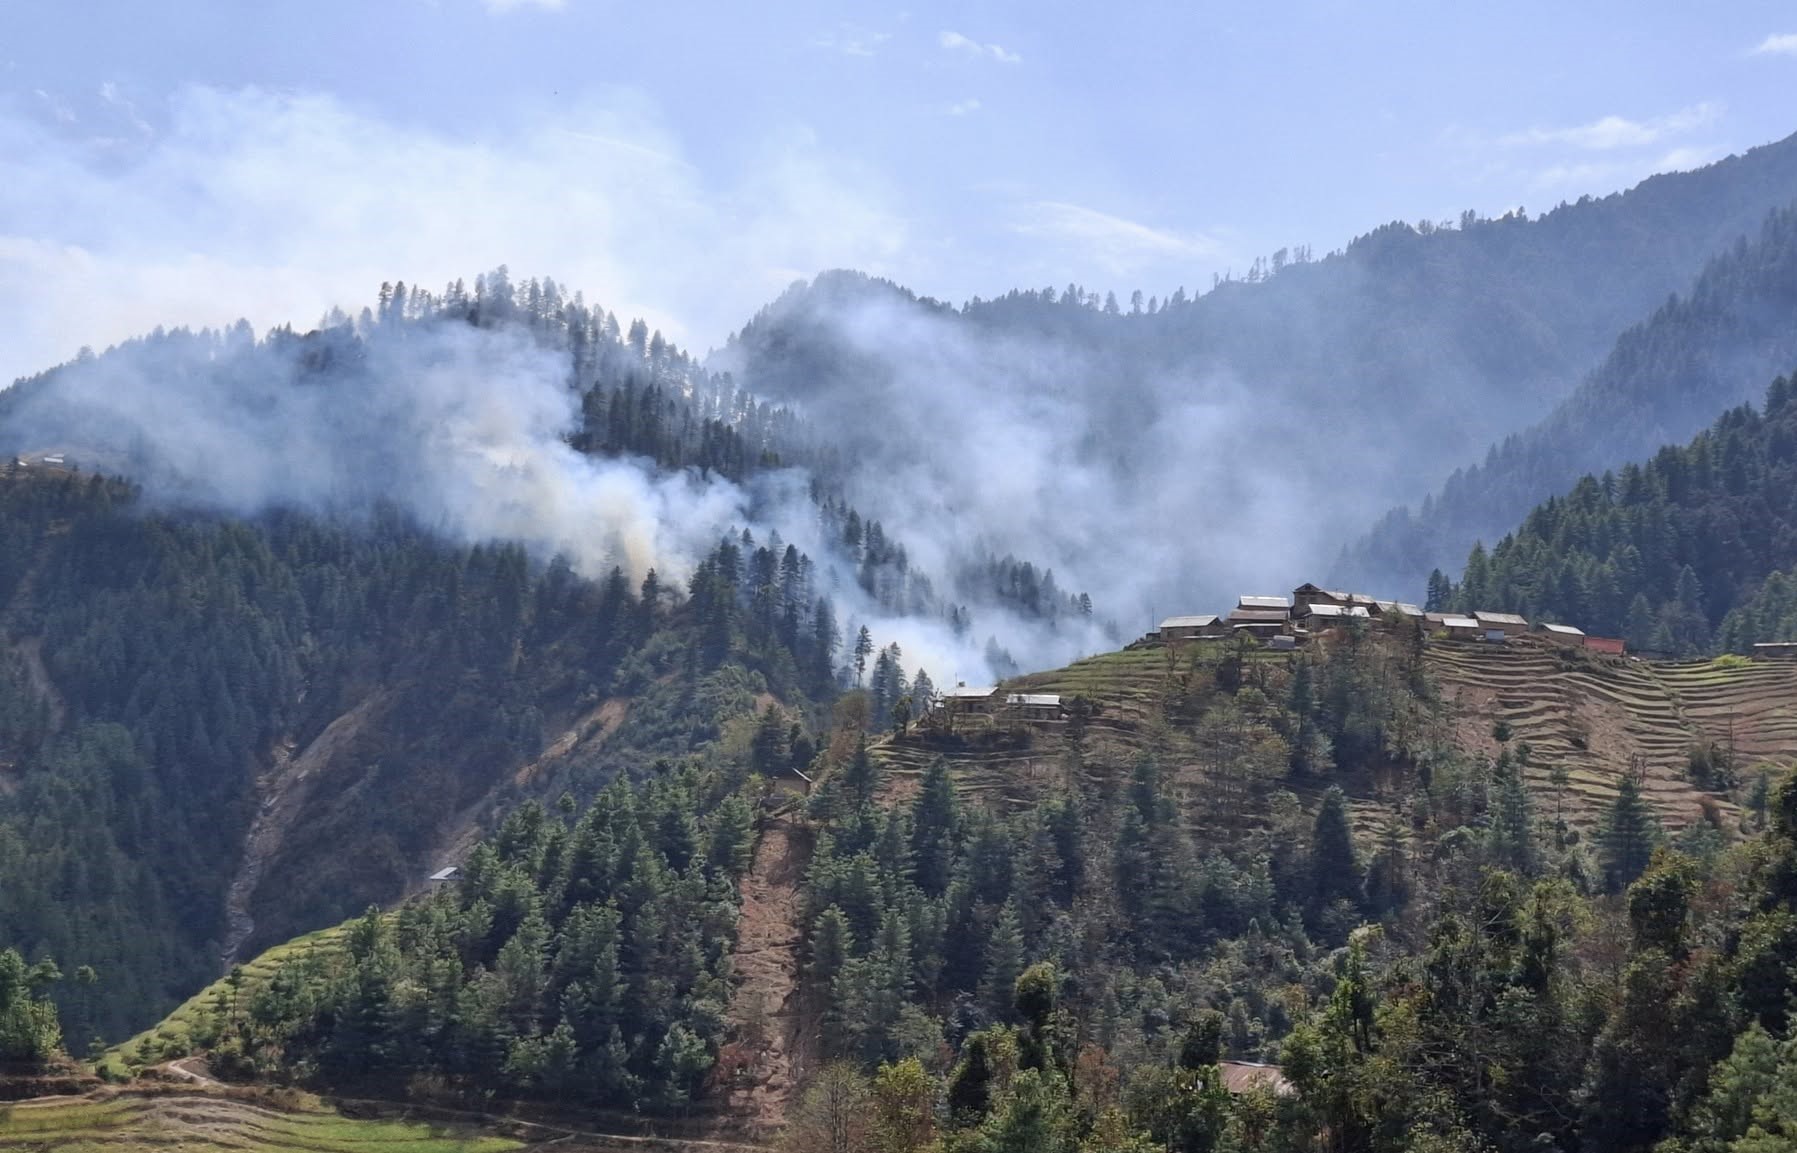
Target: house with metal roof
(963, 697)
(1563, 634)
(1306, 595)
(1260, 622)
(1323, 615)
(1034, 706)
(1507, 623)
(1264, 604)
(1462, 628)
(1192, 627)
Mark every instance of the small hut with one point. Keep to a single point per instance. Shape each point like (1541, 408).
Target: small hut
(1509, 624)
(1034, 706)
(1191, 628)
(1461, 628)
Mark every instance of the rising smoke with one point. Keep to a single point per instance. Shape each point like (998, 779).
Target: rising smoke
(1159, 489)
(464, 428)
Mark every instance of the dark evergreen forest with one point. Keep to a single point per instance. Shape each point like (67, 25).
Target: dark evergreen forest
(1691, 552)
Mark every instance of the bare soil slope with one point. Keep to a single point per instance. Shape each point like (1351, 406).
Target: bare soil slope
(772, 1047)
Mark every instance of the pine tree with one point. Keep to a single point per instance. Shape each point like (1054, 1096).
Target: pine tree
(862, 778)
(864, 647)
(1004, 964)
(769, 753)
(1630, 833)
(923, 694)
(1440, 592)
(1513, 825)
(1334, 864)
(934, 820)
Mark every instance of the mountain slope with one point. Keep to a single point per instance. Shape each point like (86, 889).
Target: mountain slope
(1273, 412)
(1673, 553)
(1698, 355)
(372, 691)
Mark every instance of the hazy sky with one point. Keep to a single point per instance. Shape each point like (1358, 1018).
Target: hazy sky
(192, 162)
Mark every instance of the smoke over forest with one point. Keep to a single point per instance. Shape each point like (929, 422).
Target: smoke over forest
(470, 430)
(1012, 482)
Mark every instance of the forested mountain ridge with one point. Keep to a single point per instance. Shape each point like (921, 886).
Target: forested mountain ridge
(1243, 406)
(205, 695)
(374, 587)
(415, 687)
(1700, 353)
(1694, 549)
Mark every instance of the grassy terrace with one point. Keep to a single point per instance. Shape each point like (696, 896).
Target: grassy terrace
(196, 1121)
(170, 1038)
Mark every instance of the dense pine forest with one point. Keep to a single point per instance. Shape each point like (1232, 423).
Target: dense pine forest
(188, 653)
(1089, 972)
(1692, 551)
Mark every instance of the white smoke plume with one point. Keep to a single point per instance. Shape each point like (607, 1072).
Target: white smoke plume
(467, 431)
(1158, 493)
(463, 428)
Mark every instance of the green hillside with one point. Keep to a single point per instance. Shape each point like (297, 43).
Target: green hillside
(1687, 552)
(215, 1122)
(1594, 717)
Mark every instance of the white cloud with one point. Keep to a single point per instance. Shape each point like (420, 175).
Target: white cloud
(510, 5)
(1778, 44)
(58, 109)
(1118, 245)
(1610, 133)
(967, 46)
(1582, 176)
(277, 206)
(110, 93)
(962, 107)
(1685, 159)
(851, 41)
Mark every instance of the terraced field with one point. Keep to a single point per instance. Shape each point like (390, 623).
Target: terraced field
(242, 1121)
(1596, 715)
(1749, 706)
(1591, 715)
(1012, 768)
(208, 1121)
(170, 1038)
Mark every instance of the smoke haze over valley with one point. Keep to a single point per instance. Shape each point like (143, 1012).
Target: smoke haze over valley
(1160, 457)
(1195, 443)
(574, 570)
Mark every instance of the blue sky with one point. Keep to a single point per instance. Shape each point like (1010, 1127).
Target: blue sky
(682, 161)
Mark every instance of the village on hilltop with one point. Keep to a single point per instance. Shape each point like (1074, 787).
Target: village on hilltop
(1281, 624)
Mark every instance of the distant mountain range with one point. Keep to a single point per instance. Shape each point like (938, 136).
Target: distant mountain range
(1700, 353)
(1207, 445)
